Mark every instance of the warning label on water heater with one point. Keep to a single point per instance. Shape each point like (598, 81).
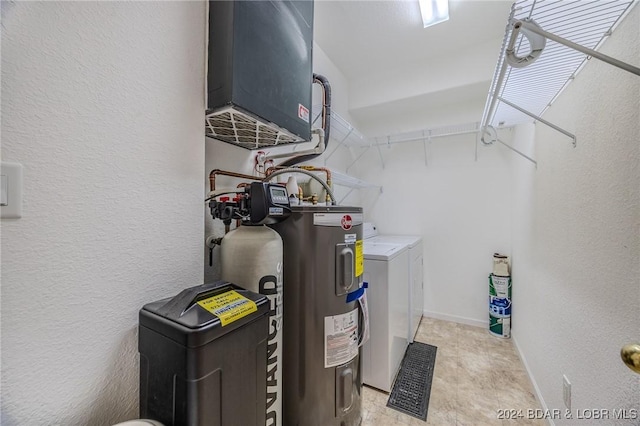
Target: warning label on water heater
(340, 338)
(359, 258)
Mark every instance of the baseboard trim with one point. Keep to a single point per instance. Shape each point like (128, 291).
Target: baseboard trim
(454, 318)
(536, 389)
(485, 324)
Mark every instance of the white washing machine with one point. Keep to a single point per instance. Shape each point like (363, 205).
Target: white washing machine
(416, 272)
(385, 270)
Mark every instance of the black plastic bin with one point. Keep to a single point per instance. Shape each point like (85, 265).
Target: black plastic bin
(198, 368)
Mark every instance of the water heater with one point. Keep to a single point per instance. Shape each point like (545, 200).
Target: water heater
(324, 325)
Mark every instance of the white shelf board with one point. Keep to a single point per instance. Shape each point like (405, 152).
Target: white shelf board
(342, 179)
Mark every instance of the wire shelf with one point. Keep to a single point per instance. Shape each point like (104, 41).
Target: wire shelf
(343, 179)
(536, 86)
(342, 131)
(424, 135)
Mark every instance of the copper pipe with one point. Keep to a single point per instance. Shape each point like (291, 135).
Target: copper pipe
(311, 169)
(319, 169)
(308, 168)
(271, 170)
(313, 198)
(214, 172)
(330, 197)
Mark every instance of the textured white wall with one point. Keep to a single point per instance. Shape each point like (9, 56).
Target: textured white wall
(102, 103)
(576, 246)
(460, 206)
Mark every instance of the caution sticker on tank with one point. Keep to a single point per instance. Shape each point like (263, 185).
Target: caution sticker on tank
(340, 338)
(359, 258)
(229, 306)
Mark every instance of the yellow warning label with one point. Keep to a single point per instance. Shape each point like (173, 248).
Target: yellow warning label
(229, 306)
(359, 258)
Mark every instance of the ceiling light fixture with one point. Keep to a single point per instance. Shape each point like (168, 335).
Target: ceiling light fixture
(434, 11)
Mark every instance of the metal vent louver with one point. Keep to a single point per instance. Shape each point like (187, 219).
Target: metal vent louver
(237, 128)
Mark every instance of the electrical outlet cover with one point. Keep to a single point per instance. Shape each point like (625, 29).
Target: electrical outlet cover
(12, 173)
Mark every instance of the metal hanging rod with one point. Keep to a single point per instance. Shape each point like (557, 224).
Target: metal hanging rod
(533, 27)
(426, 137)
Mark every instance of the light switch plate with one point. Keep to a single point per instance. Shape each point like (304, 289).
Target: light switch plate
(3, 190)
(11, 180)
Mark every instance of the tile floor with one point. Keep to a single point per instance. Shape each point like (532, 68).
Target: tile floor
(476, 375)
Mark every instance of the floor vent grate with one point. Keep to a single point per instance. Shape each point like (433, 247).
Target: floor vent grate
(411, 390)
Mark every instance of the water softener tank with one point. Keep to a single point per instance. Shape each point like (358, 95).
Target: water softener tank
(323, 264)
(252, 258)
(203, 356)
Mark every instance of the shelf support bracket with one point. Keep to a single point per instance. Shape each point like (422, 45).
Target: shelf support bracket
(380, 154)
(338, 146)
(478, 135)
(346, 195)
(424, 144)
(493, 134)
(518, 152)
(538, 118)
(357, 158)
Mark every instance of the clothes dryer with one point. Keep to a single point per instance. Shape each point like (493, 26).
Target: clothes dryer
(386, 272)
(416, 271)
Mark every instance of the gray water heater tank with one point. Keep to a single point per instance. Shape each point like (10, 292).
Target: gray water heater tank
(260, 72)
(323, 326)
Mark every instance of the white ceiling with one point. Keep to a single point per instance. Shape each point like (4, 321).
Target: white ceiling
(394, 65)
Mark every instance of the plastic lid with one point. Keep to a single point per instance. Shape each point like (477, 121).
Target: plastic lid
(182, 319)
